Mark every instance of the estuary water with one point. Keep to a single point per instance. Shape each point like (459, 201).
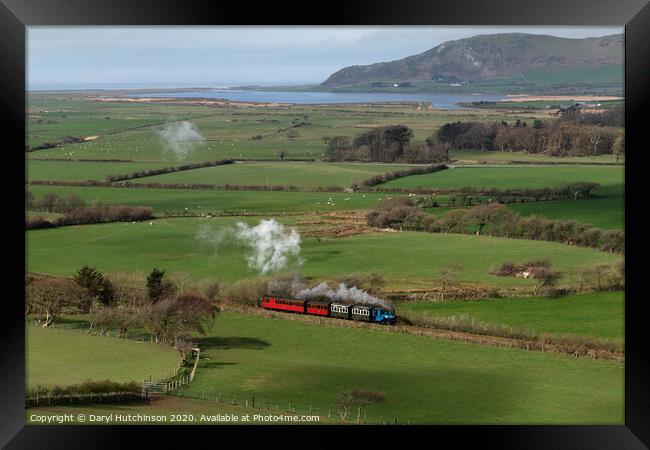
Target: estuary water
(441, 101)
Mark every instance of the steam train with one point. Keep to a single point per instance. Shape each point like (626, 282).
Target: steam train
(330, 309)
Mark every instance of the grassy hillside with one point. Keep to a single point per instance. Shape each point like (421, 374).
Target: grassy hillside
(65, 357)
(407, 259)
(424, 380)
(594, 314)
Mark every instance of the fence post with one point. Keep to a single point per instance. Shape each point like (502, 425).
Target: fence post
(253, 401)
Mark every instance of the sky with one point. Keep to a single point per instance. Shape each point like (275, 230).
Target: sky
(94, 56)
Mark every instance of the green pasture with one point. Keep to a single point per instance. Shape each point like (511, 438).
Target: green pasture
(407, 259)
(52, 117)
(279, 173)
(198, 201)
(64, 357)
(82, 170)
(424, 380)
(477, 156)
(511, 177)
(593, 314)
(605, 210)
(253, 132)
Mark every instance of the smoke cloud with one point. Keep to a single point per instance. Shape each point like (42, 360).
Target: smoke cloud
(343, 294)
(270, 246)
(181, 138)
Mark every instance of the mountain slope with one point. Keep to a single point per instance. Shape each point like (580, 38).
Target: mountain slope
(487, 57)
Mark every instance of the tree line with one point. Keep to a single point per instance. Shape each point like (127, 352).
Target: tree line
(611, 117)
(495, 220)
(191, 186)
(553, 138)
(386, 177)
(384, 144)
(76, 212)
(163, 307)
(163, 170)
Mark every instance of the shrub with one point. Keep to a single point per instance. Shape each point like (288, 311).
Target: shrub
(243, 292)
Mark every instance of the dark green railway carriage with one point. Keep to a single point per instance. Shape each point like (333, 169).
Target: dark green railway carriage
(341, 310)
(360, 313)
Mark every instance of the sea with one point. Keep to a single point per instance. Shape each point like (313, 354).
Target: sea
(225, 92)
(439, 101)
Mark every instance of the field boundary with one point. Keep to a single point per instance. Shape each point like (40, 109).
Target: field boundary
(90, 398)
(188, 186)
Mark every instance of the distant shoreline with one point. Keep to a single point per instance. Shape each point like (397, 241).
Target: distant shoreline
(541, 98)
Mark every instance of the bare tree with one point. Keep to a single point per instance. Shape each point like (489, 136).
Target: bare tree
(597, 274)
(51, 296)
(359, 398)
(174, 319)
(545, 277)
(483, 215)
(447, 276)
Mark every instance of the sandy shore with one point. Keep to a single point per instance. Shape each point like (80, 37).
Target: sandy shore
(577, 98)
(187, 101)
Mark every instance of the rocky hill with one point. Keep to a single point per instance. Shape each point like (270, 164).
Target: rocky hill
(487, 57)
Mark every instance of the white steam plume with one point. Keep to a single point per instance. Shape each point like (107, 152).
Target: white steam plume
(181, 138)
(344, 294)
(270, 245)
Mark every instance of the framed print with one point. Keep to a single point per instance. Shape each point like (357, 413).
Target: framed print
(369, 219)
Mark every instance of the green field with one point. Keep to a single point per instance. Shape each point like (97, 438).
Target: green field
(65, 357)
(595, 314)
(608, 74)
(52, 117)
(476, 156)
(407, 259)
(220, 201)
(254, 132)
(278, 173)
(511, 177)
(424, 380)
(606, 211)
(82, 170)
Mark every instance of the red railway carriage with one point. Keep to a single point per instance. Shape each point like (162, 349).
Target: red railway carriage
(284, 304)
(319, 308)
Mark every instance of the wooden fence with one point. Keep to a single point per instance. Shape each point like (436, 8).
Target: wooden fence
(164, 386)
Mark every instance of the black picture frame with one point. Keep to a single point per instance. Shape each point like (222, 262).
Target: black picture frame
(15, 15)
